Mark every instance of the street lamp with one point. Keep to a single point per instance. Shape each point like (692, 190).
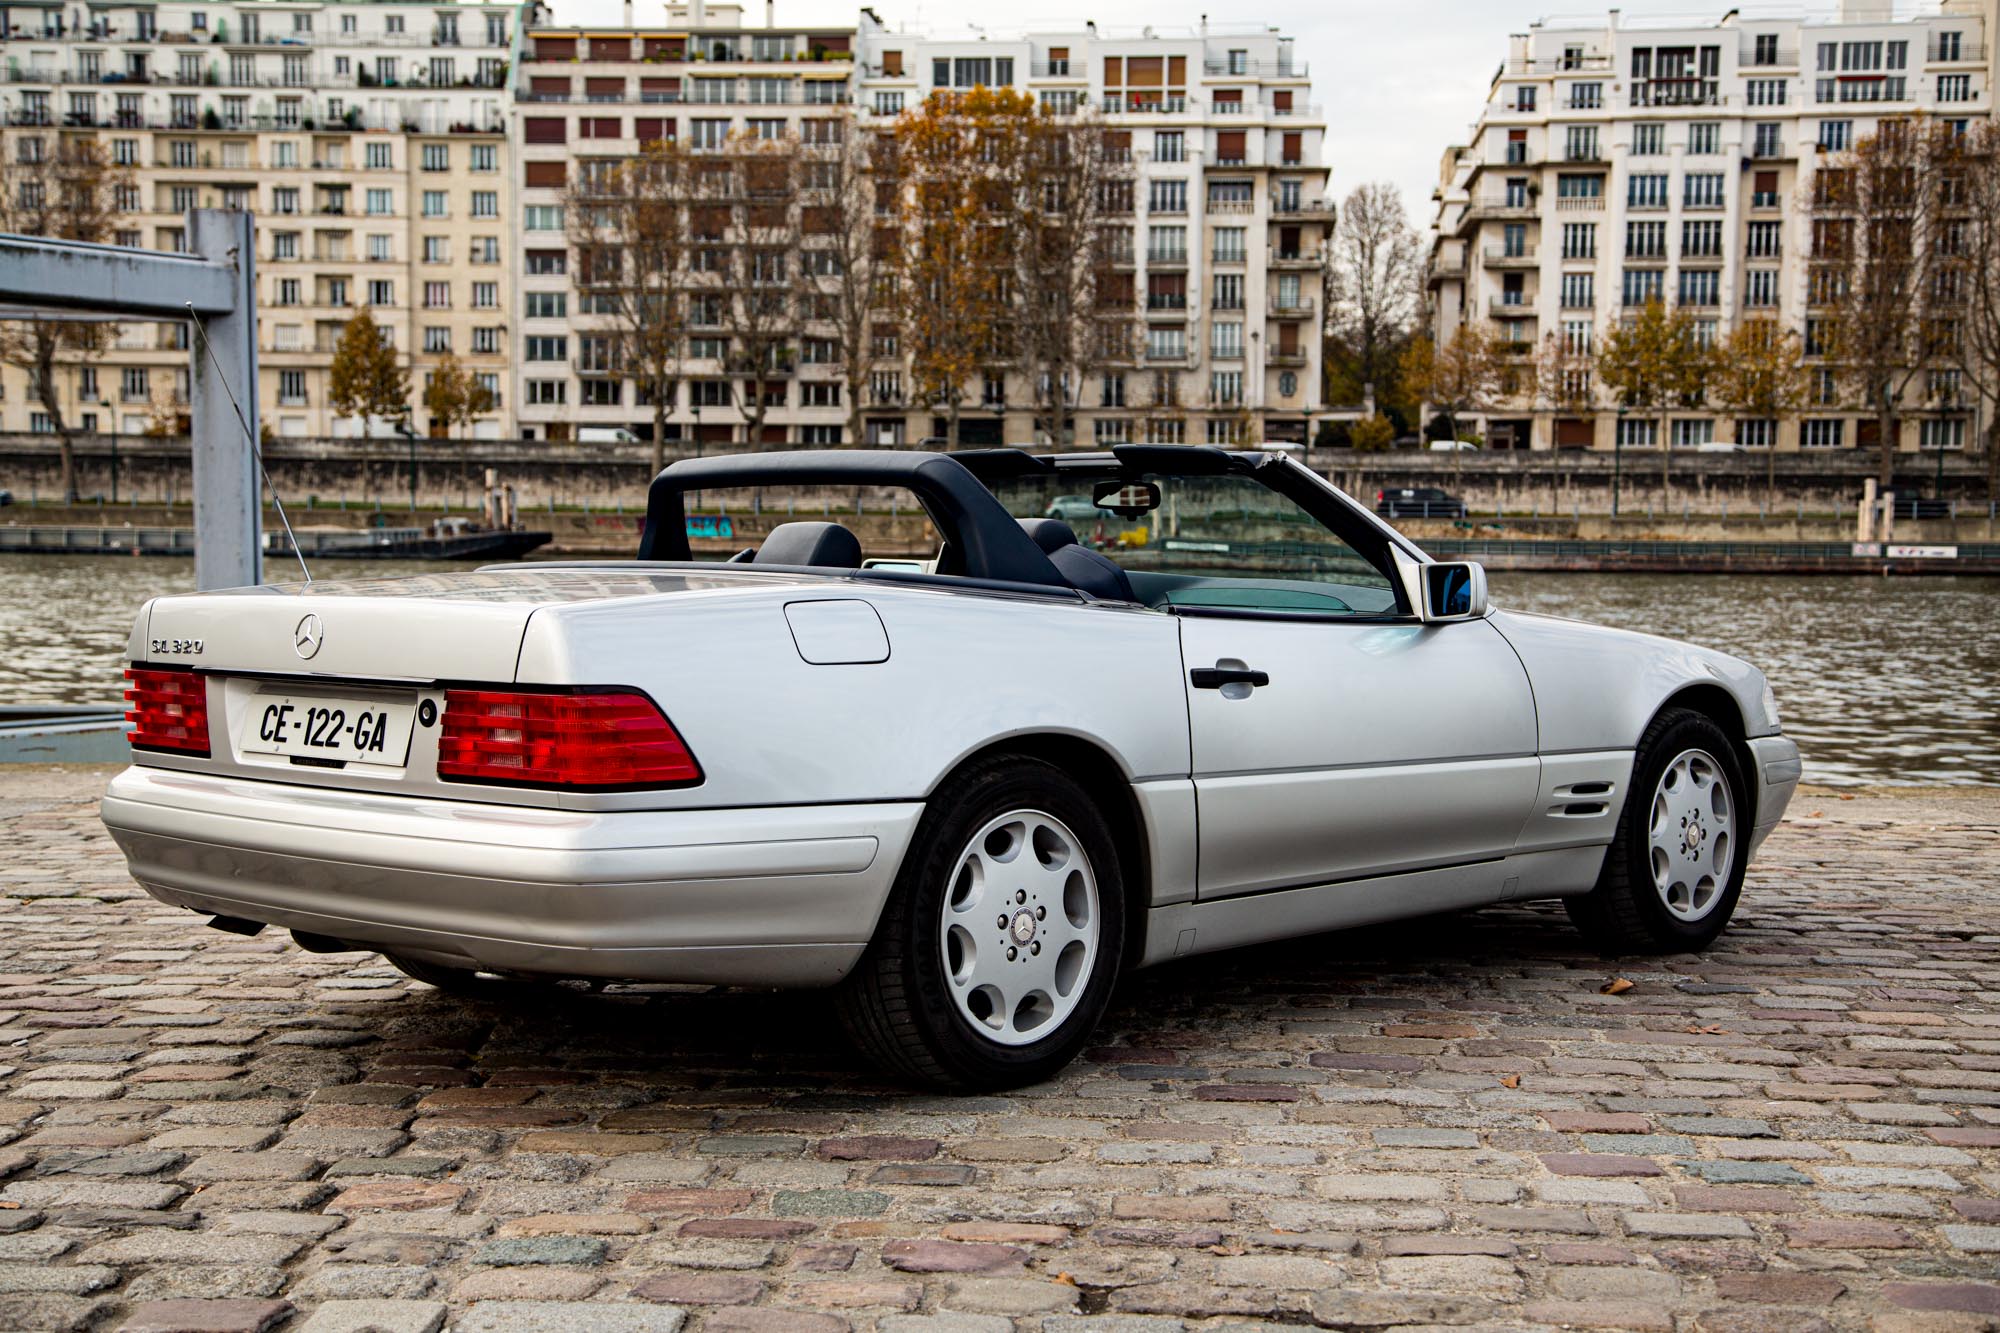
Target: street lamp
(1617, 458)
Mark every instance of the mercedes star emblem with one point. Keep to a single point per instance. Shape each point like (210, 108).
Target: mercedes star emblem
(307, 638)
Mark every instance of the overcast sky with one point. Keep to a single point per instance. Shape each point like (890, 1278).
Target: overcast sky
(1399, 79)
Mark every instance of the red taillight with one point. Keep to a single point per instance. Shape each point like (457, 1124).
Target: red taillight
(1379, 495)
(169, 710)
(609, 738)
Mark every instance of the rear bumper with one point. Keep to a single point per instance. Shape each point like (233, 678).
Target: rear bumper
(1776, 760)
(784, 896)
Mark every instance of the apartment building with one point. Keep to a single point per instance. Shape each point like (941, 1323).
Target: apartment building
(369, 136)
(1618, 161)
(584, 96)
(1225, 241)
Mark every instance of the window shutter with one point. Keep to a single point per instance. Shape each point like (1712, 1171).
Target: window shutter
(604, 87)
(1229, 145)
(544, 86)
(892, 62)
(1281, 100)
(1295, 148)
(547, 175)
(545, 129)
(611, 48)
(652, 129)
(555, 48)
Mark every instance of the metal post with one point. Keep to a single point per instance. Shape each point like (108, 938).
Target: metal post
(228, 513)
(1617, 459)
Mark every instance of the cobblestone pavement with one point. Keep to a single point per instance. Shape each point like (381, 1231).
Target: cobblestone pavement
(1446, 1124)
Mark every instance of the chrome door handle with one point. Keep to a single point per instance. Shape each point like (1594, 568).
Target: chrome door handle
(1214, 678)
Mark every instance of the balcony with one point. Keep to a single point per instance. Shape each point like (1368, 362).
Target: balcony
(1135, 104)
(1501, 206)
(1447, 268)
(1510, 256)
(1167, 301)
(1765, 199)
(1303, 208)
(1300, 306)
(1304, 256)
(1580, 203)
(1769, 150)
(1279, 356)
(1583, 154)
(1785, 57)
(1166, 259)
(1511, 305)
(1954, 53)
(1166, 355)
(1237, 69)
(1679, 91)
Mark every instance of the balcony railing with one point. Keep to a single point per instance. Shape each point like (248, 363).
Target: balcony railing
(1300, 306)
(1502, 255)
(1518, 305)
(1580, 203)
(1676, 92)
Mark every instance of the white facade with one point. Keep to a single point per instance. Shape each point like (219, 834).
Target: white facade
(1614, 161)
(1230, 213)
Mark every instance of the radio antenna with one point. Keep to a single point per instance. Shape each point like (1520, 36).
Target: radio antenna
(277, 501)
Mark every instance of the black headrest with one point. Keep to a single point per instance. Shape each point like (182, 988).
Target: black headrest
(1051, 534)
(823, 544)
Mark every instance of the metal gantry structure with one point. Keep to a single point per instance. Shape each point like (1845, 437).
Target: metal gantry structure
(215, 288)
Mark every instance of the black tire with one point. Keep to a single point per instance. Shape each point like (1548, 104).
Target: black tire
(1624, 913)
(897, 1007)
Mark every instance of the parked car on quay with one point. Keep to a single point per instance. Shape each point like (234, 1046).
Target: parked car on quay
(960, 790)
(1077, 509)
(1418, 502)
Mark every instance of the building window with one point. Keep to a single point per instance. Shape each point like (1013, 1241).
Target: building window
(1702, 189)
(1835, 135)
(1226, 341)
(1765, 92)
(1638, 433)
(437, 338)
(1757, 433)
(381, 291)
(1643, 285)
(543, 347)
(381, 202)
(1586, 96)
(1941, 433)
(1760, 288)
(1954, 88)
(1649, 139)
(1646, 191)
(1704, 138)
(547, 393)
(435, 203)
(543, 217)
(888, 104)
(1579, 291)
(1821, 432)
(1702, 239)
(1693, 432)
(1169, 146)
(1225, 388)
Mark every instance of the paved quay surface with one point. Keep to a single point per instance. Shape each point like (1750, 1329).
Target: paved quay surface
(1441, 1125)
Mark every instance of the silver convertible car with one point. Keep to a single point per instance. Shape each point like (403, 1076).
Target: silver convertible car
(964, 789)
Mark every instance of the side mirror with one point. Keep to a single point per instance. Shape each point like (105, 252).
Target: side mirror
(1127, 499)
(1454, 590)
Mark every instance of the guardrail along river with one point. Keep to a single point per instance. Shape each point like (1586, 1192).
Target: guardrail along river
(1880, 680)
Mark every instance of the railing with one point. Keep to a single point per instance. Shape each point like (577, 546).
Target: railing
(1510, 254)
(1580, 203)
(1134, 104)
(1283, 69)
(1519, 304)
(1500, 204)
(1305, 254)
(1300, 307)
(1676, 92)
(1785, 57)
(1174, 258)
(1962, 52)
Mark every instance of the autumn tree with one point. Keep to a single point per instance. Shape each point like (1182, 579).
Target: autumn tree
(367, 379)
(1877, 214)
(454, 395)
(1073, 315)
(1969, 252)
(64, 188)
(633, 238)
(848, 236)
(1759, 374)
(1374, 292)
(1455, 378)
(957, 156)
(1653, 362)
(1562, 375)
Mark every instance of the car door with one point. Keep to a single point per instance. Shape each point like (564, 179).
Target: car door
(1369, 747)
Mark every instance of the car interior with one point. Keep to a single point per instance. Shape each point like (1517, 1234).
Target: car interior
(1311, 572)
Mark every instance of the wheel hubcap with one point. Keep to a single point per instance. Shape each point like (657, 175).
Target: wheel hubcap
(1691, 836)
(1019, 930)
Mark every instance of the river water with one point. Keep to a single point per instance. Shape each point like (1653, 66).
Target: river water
(1880, 680)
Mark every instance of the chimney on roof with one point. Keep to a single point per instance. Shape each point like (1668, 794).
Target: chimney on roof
(697, 13)
(1613, 24)
(628, 13)
(770, 13)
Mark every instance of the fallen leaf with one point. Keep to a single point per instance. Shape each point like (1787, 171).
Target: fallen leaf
(1227, 1249)
(1847, 796)
(1065, 1279)
(1511, 1081)
(1712, 1030)
(1816, 814)
(9, 1205)
(1616, 986)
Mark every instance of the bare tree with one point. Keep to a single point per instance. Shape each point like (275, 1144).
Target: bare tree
(1876, 214)
(760, 294)
(631, 239)
(1654, 362)
(1374, 288)
(848, 233)
(1072, 316)
(64, 188)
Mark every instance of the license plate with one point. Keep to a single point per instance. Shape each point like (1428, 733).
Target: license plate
(326, 728)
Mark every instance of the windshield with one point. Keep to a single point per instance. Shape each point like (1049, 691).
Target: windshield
(1223, 542)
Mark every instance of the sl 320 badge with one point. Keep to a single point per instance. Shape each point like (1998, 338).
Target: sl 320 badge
(176, 647)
